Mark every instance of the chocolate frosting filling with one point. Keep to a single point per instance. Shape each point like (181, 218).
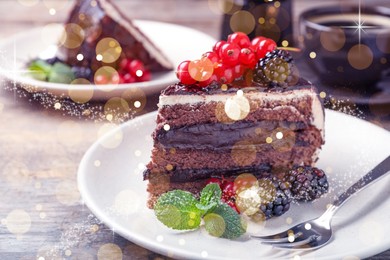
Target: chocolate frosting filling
(219, 136)
(186, 175)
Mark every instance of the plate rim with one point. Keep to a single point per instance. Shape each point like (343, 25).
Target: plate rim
(163, 248)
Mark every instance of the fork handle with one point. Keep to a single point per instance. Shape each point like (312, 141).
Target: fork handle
(375, 174)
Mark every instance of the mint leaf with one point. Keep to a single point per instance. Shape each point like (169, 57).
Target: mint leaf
(214, 224)
(61, 73)
(39, 69)
(234, 225)
(210, 197)
(211, 193)
(177, 209)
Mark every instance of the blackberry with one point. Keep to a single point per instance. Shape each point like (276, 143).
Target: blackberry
(277, 68)
(281, 199)
(307, 183)
(82, 72)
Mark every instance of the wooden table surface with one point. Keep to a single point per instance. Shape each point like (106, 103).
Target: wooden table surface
(43, 139)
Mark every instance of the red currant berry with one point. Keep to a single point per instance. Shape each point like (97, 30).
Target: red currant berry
(100, 79)
(247, 57)
(229, 190)
(201, 70)
(255, 42)
(183, 74)
(238, 70)
(128, 78)
(229, 54)
(146, 76)
(217, 46)
(208, 81)
(212, 56)
(124, 63)
(265, 46)
(239, 38)
(224, 73)
(214, 180)
(115, 78)
(136, 68)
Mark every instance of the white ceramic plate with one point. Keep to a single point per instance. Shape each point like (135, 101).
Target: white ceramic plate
(178, 43)
(110, 182)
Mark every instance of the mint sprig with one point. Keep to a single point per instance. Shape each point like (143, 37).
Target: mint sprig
(180, 210)
(58, 72)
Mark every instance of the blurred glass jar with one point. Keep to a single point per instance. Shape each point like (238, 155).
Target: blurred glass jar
(269, 18)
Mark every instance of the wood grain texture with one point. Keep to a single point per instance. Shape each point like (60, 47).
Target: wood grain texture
(41, 147)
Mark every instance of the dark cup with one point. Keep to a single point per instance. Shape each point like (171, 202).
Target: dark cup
(341, 53)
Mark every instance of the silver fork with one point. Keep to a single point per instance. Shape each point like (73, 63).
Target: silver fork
(317, 232)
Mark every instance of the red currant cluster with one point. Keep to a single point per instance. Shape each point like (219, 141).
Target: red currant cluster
(228, 191)
(131, 71)
(229, 60)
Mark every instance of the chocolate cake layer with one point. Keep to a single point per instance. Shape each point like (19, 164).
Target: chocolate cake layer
(190, 164)
(295, 106)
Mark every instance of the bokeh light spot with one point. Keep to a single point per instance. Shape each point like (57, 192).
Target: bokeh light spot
(167, 127)
(78, 95)
(109, 251)
(109, 49)
(18, 222)
(107, 75)
(243, 153)
(80, 57)
(312, 55)
(57, 105)
(73, 36)
(333, 40)
(242, 21)
(237, 107)
(360, 56)
(248, 201)
(201, 70)
(267, 190)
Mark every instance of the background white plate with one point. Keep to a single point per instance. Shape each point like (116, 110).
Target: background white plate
(110, 182)
(177, 42)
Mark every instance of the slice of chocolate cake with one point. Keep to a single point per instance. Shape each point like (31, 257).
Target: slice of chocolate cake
(91, 21)
(264, 119)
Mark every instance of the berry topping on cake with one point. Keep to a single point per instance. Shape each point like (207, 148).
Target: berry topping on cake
(276, 68)
(307, 183)
(239, 59)
(280, 202)
(229, 61)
